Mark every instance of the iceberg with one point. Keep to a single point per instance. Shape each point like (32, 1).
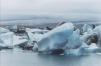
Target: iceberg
(56, 39)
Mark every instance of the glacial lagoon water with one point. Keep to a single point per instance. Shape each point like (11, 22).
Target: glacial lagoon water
(29, 58)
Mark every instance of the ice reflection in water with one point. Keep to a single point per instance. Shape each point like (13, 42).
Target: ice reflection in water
(29, 58)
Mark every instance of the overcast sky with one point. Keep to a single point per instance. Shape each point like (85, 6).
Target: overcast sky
(50, 6)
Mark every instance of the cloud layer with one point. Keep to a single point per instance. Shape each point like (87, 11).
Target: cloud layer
(50, 6)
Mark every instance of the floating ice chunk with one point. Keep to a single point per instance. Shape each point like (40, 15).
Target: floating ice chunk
(56, 38)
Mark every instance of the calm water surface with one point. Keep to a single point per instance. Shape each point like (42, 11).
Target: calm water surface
(27, 58)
